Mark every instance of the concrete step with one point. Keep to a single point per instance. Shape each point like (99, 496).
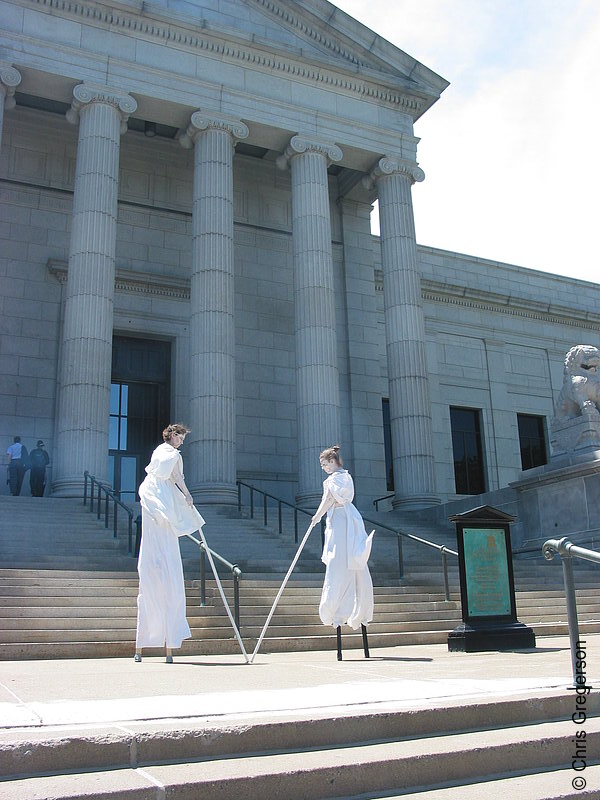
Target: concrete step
(546, 785)
(371, 754)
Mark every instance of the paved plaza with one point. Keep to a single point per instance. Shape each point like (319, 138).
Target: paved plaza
(84, 692)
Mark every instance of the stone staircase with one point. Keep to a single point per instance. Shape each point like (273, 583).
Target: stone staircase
(68, 588)
(483, 749)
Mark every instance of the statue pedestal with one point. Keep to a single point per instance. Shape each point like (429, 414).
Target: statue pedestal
(562, 498)
(578, 435)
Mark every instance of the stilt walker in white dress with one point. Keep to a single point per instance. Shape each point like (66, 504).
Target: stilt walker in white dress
(168, 512)
(347, 596)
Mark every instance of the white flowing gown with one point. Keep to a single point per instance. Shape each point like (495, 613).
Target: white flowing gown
(165, 517)
(347, 595)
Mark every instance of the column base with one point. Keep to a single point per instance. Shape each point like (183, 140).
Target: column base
(221, 494)
(309, 500)
(71, 487)
(415, 502)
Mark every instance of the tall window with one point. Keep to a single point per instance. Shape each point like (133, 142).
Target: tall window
(387, 443)
(469, 473)
(532, 439)
(117, 437)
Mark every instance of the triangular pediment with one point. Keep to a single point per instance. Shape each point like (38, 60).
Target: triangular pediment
(486, 514)
(312, 30)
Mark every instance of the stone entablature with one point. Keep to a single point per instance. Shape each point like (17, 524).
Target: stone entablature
(190, 36)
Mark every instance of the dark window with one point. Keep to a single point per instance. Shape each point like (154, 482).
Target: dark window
(532, 439)
(468, 453)
(139, 409)
(387, 443)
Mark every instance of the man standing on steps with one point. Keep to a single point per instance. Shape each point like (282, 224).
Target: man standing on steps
(39, 460)
(17, 465)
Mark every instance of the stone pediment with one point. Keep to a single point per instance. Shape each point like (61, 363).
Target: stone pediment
(312, 39)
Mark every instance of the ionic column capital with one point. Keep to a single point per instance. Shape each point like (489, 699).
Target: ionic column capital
(390, 165)
(302, 144)
(10, 78)
(85, 93)
(202, 121)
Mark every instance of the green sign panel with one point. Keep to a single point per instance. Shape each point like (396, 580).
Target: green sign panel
(486, 572)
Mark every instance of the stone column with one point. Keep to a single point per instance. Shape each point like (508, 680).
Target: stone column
(317, 379)
(410, 409)
(86, 352)
(212, 443)
(10, 78)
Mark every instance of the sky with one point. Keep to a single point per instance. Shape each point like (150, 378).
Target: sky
(511, 150)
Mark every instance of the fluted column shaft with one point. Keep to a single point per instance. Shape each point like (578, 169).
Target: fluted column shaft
(317, 379)
(85, 364)
(212, 443)
(10, 78)
(410, 409)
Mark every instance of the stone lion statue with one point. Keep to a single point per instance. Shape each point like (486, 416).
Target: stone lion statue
(580, 393)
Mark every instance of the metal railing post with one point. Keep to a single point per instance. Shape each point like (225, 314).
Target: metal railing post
(236, 596)
(92, 481)
(85, 483)
(98, 506)
(239, 488)
(445, 568)
(265, 512)
(202, 577)
(251, 503)
(115, 520)
(106, 511)
(400, 558)
(573, 621)
(296, 525)
(130, 532)
(280, 520)
(138, 535)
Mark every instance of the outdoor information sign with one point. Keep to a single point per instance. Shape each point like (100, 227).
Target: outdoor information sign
(487, 584)
(486, 572)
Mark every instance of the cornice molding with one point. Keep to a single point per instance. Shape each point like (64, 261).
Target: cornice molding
(215, 44)
(513, 305)
(134, 282)
(295, 22)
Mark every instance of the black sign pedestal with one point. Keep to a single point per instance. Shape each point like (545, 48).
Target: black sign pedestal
(487, 588)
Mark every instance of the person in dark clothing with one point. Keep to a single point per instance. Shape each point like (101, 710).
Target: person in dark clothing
(39, 460)
(18, 458)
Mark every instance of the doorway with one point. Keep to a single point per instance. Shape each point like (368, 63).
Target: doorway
(139, 409)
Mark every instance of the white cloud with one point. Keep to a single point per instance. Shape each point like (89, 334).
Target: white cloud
(509, 150)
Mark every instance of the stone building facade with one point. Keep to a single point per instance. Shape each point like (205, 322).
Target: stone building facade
(185, 198)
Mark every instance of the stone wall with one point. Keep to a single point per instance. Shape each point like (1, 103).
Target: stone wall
(496, 334)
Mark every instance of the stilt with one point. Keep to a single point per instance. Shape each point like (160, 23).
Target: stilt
(365, 640)
(338, 631)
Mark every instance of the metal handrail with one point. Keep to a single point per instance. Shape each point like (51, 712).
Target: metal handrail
(381, 499)
(109, 495)
(233, 568)
(102, 487)
(567, 550)
(442, 549)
